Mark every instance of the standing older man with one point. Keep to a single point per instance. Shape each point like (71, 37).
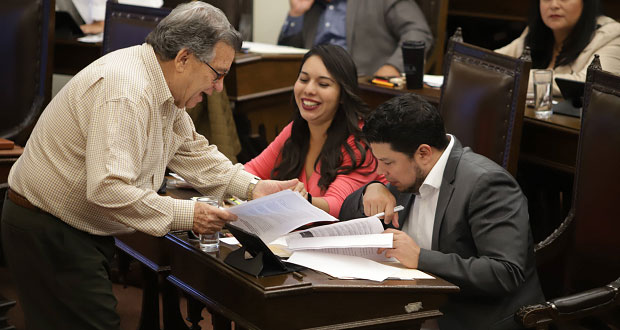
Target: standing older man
(97, 156)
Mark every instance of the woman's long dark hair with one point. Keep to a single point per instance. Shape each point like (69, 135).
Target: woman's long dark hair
(351, 109)
(541, 41)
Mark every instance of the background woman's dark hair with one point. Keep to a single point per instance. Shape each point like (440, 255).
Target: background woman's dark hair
(541, 41)
(406, 122)
(345, 123)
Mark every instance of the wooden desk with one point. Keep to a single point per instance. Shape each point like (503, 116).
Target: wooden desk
(261, 88)
(252, 302)
(550, 142)
(374, 95)
(315, 301)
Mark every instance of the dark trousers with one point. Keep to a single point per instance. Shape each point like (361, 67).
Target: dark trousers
(61, 273)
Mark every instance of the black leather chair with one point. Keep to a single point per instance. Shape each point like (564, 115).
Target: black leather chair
(27, 39)
(483, 100)
(436, 14)
(587, 242)
(238, 12)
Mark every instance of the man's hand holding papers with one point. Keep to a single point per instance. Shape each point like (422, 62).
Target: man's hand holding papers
(405, 249)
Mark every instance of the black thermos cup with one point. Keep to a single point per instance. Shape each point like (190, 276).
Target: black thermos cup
(413, 58)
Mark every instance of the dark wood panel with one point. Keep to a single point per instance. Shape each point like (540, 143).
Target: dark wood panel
(374, 95)
(253, 75)
(268, 115)
(71, 56)
(611, 8)
(551, 143)
(511, 10)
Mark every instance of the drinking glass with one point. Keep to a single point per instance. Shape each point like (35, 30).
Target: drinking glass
(209, 242)
(543, 98)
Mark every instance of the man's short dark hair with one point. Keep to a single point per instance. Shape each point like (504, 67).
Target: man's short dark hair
(406, 122)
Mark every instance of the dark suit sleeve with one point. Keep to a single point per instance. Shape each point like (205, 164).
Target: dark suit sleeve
(353, 205)
(498, 218)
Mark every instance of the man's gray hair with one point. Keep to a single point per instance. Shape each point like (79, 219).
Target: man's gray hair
(195, 25)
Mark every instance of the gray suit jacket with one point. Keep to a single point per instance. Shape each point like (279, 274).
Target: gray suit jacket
(375, 31)
(481, 242)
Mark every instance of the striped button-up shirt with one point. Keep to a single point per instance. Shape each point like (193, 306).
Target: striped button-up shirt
(100, 149)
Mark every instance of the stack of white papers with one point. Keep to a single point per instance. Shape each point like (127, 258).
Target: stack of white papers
(359, 237)
(346, 249)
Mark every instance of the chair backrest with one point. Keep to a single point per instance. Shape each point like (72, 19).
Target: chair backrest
(483, 100)
(436, 14)
(127, 25)
(27, 40)
(595, 257)
(585, 246)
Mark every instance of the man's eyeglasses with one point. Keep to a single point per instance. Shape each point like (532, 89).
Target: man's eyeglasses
(218, 76)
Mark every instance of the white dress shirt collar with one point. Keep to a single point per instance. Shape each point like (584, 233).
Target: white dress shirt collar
(435, 176)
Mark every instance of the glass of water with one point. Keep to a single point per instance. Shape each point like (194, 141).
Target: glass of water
(209, 242)
(543, 96)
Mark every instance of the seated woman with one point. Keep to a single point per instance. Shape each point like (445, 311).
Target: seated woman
(323, 146)
(564, 35)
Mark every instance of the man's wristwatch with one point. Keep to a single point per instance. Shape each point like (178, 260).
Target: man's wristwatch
(251, 187)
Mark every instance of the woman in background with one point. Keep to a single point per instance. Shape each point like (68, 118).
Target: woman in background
(564, 35)
(323, 146)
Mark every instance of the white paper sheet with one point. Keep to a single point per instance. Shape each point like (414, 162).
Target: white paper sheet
(433, 80)
(339, 242)
(277, 214)
(229, 240)
(403, 273)
(346, 267)
(262, 48)
(91, 38)
(361, 226)
(342, 266)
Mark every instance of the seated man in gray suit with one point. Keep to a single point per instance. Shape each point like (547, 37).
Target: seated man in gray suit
(371, 30)
(465, 218)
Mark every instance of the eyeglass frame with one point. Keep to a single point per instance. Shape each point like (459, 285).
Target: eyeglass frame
(218, 76)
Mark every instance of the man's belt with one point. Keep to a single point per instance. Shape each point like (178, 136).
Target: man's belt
(21, 200)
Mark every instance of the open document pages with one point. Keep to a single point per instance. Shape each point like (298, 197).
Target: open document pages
(277, 214)
(346, 249)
